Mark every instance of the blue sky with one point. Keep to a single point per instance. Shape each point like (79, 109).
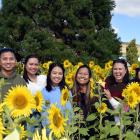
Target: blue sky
(126, 20)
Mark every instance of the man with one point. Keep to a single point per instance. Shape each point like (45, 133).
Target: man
(8, 72)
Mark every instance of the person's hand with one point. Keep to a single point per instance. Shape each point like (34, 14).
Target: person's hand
(125, 107)
(107, 94)
(101, 83)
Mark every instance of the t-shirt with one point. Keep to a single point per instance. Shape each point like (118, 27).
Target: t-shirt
(38, 85)
(12, 81)
(115, 89)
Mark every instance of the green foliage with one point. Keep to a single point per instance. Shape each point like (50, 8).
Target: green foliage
(57, 30)
(132, 52)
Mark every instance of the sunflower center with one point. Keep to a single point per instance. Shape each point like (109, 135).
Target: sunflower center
(57, 120)
(37, 101)
(65, 96)
(131, 100)
(20, 102)
(102, 108)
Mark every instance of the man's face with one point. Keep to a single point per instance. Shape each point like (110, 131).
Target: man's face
(7, 61)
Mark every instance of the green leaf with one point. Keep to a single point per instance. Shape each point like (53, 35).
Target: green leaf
(131, 136)
(76, 109)
(92, 138)
(83, 131)
(114, 131)
(91, 117)
(72, 130)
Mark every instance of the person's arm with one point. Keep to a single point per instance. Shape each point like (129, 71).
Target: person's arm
(112, 101)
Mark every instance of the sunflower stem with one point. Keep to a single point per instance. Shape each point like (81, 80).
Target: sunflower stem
(121, 124)
(137, 114)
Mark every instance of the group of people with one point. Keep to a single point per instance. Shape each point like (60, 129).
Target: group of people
(52, 84)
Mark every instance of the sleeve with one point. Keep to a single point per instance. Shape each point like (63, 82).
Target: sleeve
(114, 103)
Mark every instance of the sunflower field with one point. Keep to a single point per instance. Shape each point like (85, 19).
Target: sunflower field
(22, 114)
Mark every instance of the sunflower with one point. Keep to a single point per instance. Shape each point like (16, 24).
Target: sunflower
(69, 80)
(56, 121)
(20, 101)
(108, 65)
(91, 94)
(45, 65)
(67, 64)
(92, 83)
(79, 64)
(44, 135)
(65, 96)
(39, 101)
(22, 131)
(134, 66)
(36, 136)
(97, 69)
(132, 99)
(102, 108)
(91, 64)
(133, 87)
(102, 83)
(1, 129)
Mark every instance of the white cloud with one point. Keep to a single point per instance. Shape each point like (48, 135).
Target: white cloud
(127, 7)
(115, 29)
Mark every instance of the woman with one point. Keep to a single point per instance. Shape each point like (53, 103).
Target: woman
(34, 81)
(55, 84)
(115, 83)
(82, 98)
(81, 89)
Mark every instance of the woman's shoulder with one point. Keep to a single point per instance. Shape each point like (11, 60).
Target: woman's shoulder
(41, 76)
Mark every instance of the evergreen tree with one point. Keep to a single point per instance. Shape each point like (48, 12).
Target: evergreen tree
(79, 30)
(132, 52)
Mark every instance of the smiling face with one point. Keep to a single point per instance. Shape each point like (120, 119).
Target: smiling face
(83, 76)
(7, 61)
(119, 72)
(32, 66)
(56, 75)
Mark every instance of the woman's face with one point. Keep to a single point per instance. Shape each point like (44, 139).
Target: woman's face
(56, 75)
(119, 71)
(82, 76)
(32, 66)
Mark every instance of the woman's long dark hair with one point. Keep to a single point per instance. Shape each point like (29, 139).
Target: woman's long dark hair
(25, 75)
(76, 87)
(49, 82)
(111, 79)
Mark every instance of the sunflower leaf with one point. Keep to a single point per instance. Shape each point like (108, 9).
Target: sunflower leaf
(91, 117)
(83, 131)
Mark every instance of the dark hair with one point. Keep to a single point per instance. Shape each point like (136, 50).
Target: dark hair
(111, 79)
(136, 78)
(49, 82)
(4, 50)
(25, 75)
(76, 87)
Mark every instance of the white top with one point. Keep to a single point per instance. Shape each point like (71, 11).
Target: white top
(38, 85)
(114, 103)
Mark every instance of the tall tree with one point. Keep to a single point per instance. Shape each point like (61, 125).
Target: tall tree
(132, 52)
(76, 29)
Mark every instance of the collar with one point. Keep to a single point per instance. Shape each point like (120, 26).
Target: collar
(10, 77)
